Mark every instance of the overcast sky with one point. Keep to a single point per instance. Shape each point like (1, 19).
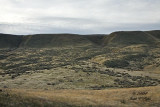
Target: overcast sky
(78, 16)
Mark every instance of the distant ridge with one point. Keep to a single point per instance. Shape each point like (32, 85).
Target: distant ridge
(48, 40)
(120, 38)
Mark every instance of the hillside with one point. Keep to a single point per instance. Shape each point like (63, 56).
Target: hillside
(53, 40)
(126, 38)
(9, 41)
(155, 33)
(96, 39)
(48, 40)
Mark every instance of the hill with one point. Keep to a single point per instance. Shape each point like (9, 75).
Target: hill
(155, 33)
(53, 40)
(123, 38)
(9, 41)
(48, 40)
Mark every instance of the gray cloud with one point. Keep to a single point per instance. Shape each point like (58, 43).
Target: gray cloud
(83, 16)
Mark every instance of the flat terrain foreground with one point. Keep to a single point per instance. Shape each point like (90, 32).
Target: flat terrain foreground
(123, 97)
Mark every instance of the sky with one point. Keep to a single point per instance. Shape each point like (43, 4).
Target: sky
(78, 16)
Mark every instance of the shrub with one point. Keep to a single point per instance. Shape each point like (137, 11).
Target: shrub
(135, 57)
(118, 63)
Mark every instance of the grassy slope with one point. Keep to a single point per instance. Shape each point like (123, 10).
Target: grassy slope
(135, 97)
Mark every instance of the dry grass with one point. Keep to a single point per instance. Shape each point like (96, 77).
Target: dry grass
(133, 97)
